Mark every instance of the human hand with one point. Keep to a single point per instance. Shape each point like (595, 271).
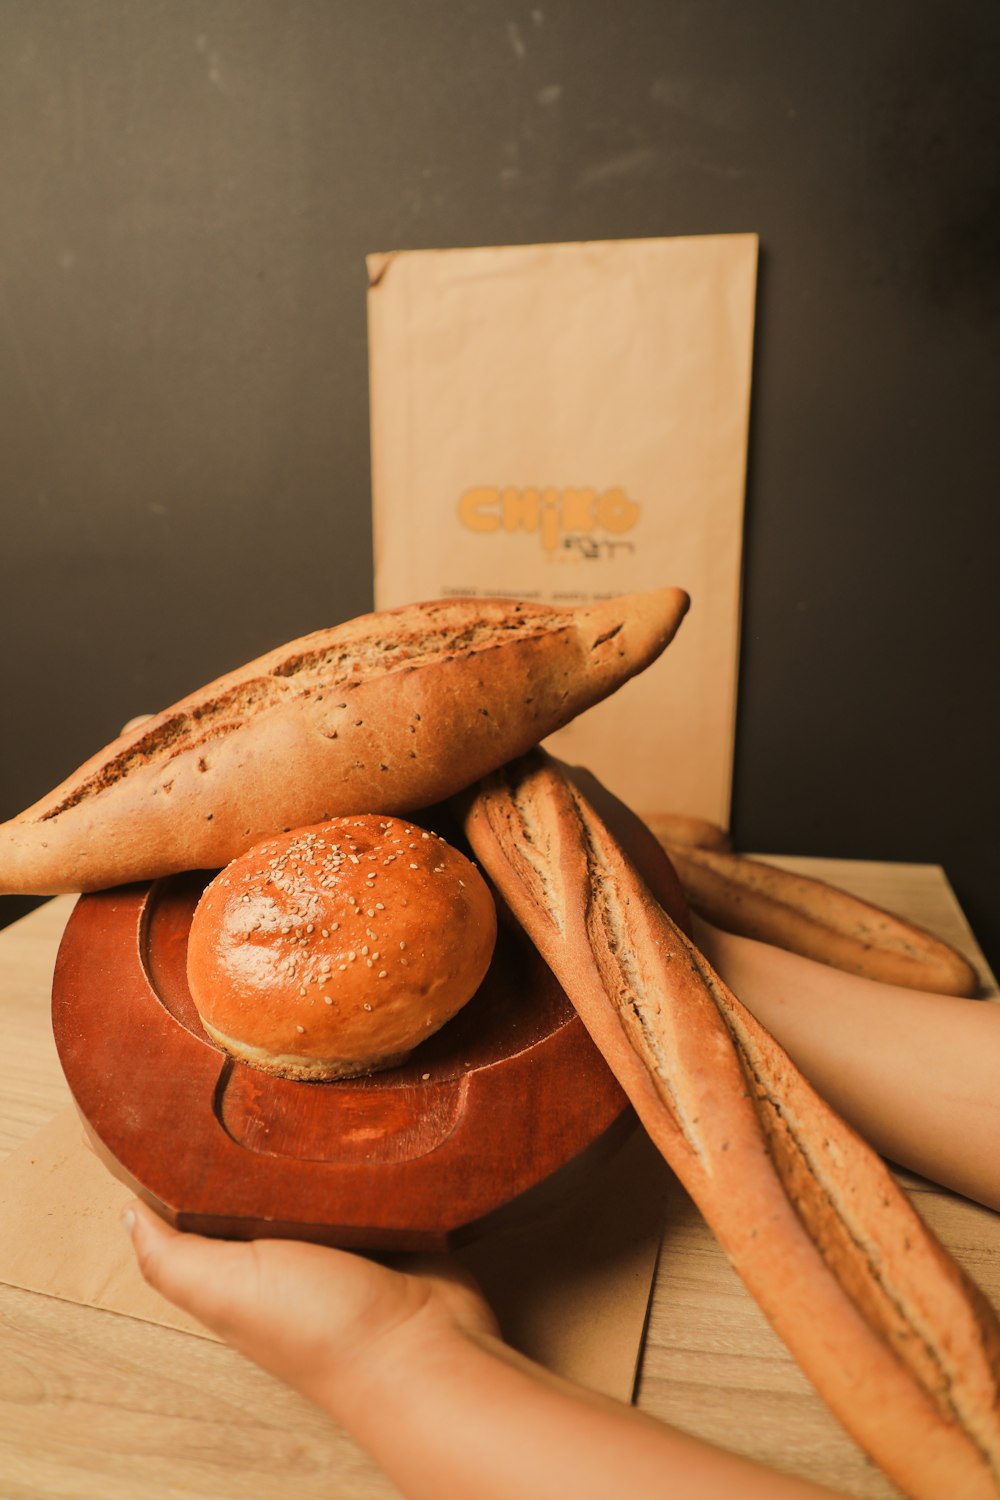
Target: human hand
(410, 1365)
(324, 1321)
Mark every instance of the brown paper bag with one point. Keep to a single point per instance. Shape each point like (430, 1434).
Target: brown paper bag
(567, 422)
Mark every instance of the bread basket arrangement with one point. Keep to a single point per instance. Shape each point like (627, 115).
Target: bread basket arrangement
(390, 769)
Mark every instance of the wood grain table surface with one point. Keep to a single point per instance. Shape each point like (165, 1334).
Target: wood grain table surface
(96, 1406)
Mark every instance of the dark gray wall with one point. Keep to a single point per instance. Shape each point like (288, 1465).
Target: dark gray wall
(187, 193)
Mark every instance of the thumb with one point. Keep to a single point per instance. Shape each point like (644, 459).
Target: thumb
(204, 1277)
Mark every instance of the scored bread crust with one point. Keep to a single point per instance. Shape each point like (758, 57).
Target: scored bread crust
(389, 712)
(690, 832)
(817, 920)
(898, 1341)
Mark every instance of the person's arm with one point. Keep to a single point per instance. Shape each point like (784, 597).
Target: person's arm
(412, 1366)
(917, 1075)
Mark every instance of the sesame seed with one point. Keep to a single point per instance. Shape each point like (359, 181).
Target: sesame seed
(329, 998)
(401, 943)
(367, 1006)
(425, 1076)
(414, 867)
(300, 1029)
(381, 973)
(380, 906)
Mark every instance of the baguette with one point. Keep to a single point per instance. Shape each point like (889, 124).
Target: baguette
(757, 900)
(389, 712)
(641, 846)
(898, 1341)
(690, 832)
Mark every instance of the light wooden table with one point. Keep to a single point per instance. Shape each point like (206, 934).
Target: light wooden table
(95, 1406)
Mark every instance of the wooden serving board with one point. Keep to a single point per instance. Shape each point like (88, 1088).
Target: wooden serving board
(488, 1115)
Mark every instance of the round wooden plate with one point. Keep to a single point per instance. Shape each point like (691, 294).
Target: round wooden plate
(507, 1097)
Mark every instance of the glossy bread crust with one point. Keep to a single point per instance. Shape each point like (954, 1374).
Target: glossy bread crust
(334, 950)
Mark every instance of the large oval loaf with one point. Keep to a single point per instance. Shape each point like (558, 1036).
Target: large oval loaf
(389, 712)
(900, 1343)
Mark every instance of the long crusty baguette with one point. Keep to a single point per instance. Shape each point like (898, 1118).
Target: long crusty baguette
(640, 844)
(388, 712)
(902, 1346)
(688, 831)
(808, 916)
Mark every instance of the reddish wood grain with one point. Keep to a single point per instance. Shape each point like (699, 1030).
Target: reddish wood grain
(487, 1117)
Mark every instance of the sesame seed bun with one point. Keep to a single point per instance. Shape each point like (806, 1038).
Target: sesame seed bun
(333, 950)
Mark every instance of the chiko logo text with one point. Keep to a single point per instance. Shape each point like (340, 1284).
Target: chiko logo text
(577, 523)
